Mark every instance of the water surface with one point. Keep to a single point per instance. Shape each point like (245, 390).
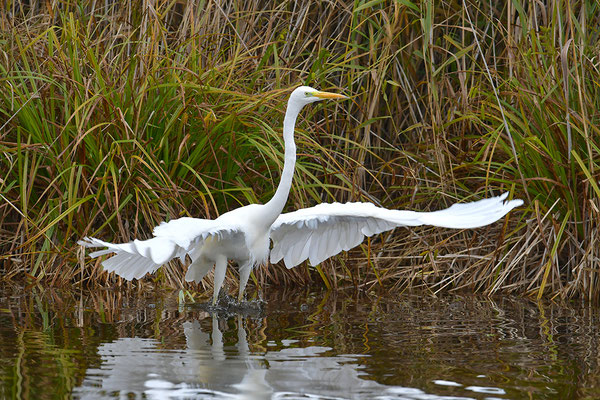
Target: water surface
(302, 345)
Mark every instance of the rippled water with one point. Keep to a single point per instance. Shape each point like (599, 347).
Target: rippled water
(302, 345)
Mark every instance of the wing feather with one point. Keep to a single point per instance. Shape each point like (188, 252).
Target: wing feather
(172, 239)
(305, 251)
(325, 230)
(325, 246)
(344, 232)
(313, 255)
(298, 248)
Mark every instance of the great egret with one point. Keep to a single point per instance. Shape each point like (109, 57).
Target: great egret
(244, 234)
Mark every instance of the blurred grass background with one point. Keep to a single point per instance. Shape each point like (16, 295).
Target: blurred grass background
(115, 116)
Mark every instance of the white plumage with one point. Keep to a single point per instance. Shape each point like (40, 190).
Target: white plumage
(325, 230)
(243, 235)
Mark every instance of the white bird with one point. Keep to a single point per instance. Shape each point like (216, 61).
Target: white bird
(243, 235)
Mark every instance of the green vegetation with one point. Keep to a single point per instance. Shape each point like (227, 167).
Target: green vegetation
(114, 117)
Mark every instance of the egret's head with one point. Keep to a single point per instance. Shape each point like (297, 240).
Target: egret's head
(305, 95)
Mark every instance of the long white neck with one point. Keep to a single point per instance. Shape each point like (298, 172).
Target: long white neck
(275, 206)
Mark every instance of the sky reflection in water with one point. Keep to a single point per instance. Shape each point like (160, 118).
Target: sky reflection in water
(304, 345)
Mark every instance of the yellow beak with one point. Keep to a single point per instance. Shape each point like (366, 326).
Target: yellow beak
(328, 95)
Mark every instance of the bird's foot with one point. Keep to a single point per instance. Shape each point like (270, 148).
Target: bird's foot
(230, 305)
(225, 300)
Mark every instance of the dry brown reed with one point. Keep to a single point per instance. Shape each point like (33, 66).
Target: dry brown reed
(115, 116)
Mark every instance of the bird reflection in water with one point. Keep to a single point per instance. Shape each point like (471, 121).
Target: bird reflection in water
(209, 366)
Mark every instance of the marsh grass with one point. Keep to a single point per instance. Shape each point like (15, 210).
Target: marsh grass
(117, 116)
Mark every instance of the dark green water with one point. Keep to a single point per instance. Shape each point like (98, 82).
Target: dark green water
(305, 345)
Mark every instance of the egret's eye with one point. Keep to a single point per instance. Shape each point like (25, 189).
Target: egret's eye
(308, 94)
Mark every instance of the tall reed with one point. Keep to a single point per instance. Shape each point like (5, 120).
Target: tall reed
(116, 116)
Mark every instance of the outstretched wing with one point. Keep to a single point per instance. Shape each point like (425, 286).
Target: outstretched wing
(320, 232)
(172, 239)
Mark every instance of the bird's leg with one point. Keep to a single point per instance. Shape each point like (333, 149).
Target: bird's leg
(244, 275)
(220, 269)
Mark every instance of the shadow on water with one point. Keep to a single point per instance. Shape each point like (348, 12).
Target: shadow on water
(306, 344)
